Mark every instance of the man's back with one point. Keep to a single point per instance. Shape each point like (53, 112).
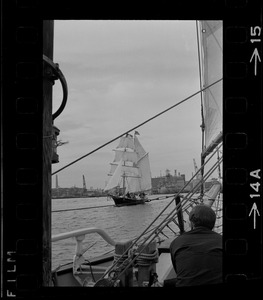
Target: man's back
(197, 257)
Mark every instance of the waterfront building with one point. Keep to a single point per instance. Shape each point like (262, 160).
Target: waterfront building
(168, 183)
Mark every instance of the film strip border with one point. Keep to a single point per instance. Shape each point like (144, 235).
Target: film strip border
(22, 154)
(242, 148)
(23, 207)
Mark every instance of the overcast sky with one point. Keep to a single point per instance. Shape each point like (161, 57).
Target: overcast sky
(119, 74)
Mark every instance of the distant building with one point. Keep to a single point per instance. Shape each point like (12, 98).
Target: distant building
(76, 192)
(168, 183)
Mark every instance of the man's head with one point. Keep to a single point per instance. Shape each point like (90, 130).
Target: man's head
(202, 215)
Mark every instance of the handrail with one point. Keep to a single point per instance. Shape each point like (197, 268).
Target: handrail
(81, 232)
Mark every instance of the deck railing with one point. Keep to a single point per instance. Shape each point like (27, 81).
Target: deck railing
(80, 235)
(82, 232)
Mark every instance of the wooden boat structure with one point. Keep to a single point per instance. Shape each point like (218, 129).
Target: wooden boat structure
(145, 260)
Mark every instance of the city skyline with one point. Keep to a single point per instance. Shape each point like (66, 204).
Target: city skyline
(81, 185)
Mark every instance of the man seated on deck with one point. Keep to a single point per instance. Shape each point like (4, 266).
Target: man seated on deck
(197, 255)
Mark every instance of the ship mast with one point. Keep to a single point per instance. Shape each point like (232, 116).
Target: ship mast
(123, 178)
(123, 184)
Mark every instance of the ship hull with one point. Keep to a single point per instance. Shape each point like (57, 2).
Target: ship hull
(125, 201)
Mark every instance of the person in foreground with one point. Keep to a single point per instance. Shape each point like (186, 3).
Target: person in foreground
(197, 255)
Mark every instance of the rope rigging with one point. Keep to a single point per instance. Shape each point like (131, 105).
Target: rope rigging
(132, 256)
(137, 126)
(151, 237)
(101, 206)
(154, 199)
(185, 204)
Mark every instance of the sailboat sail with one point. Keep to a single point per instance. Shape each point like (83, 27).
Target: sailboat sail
(211, 51)
(114, 180)
(126, 142)
(130, 169)
(144, 166)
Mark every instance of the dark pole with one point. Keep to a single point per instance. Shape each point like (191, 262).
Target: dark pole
(179, 214)
(202, 110)
(202, 173)
(48, 35)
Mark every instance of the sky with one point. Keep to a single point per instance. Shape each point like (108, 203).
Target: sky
(119, 74)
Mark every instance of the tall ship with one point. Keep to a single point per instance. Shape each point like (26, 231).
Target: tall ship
(130, 174)
(145, 260)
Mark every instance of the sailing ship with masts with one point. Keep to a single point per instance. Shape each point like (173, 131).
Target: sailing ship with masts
(145, 260)
(130, 174)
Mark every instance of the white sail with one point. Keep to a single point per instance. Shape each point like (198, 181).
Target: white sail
(122, 172)
(212, 55)
(126, 142)
(138, 147)
(146, 178)
(115, 179)
(130, 171)
(125, 156)
(112, 168)
(131, 168)
(144, 166)
(133, 184)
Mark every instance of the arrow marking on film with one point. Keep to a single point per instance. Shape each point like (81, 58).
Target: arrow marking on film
(257, 57)
(254, 209)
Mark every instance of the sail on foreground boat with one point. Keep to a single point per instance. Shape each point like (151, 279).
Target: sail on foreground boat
(118, 269)
(130, 174)
(211, 51)
(212, 58)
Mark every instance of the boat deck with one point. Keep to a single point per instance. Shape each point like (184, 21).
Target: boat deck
(96, 267)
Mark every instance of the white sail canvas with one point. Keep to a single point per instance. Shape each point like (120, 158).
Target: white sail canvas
(125, 156)
(131, 167)
(126, 142)
(115, 179)
(146, 178)
(212, 56)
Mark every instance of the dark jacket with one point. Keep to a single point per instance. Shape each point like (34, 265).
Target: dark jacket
(197, 257)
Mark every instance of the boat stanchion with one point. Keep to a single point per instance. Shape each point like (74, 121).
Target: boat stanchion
(146, 262)
(78, 259)
(126, 279)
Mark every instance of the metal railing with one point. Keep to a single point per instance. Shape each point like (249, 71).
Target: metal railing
(81, 233)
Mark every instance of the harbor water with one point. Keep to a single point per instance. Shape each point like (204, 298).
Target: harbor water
(120, 223)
